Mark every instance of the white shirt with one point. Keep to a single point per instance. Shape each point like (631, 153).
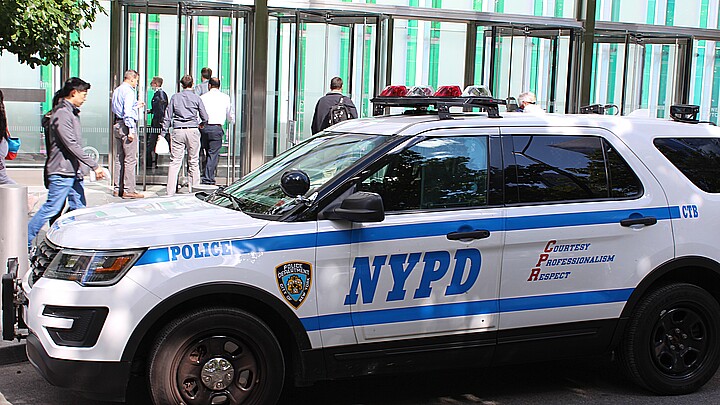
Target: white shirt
(218, 106)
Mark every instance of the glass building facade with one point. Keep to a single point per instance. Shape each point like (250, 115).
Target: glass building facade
(646, 55)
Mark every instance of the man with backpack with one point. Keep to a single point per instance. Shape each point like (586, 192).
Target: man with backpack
(333, 107)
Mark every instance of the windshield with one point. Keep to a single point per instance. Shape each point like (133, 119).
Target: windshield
(321, 157)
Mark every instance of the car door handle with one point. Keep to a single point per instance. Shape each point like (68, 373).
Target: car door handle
(476, 234)
(647, 221)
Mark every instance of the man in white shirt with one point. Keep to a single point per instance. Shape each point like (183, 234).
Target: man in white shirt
(528, 104)
(219, 108)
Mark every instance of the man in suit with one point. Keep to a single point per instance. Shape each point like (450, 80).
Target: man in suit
(203, 87)
(159, 104)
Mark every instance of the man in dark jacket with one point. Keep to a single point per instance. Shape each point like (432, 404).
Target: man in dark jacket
(64, 156)
(321, 118)
(159, 104)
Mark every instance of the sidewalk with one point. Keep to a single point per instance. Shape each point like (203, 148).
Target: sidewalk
(96, 193)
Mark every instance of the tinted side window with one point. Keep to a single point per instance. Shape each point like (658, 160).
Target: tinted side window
(624, 183)
(435, 173)
(569, 168)
(697, 158)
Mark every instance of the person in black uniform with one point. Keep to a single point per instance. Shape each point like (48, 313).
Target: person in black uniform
(322, 108)
(159, 104)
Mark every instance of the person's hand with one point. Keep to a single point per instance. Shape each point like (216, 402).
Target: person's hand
(131, 136)
(140, 104)
(99, 173)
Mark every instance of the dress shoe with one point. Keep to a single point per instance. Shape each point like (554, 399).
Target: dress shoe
(115, 194)
(129, 195)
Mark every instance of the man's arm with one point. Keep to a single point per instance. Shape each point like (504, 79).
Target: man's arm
(65, 134)
(155, 103)
(203, 112)
(163, 101)
(351, 106)
(129, 112)
(230, 112)
(168, 118)
(317, 118)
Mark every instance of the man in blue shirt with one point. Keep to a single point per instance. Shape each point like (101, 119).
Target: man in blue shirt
(125, 110)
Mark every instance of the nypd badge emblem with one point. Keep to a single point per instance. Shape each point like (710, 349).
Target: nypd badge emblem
(294, 280)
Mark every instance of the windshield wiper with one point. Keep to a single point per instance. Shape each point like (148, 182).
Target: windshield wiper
(234, 200)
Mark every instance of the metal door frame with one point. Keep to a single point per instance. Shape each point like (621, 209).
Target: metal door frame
(298, 17)
(186, 25)
(552, 33)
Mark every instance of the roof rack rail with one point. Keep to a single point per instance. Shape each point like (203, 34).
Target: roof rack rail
(441, 104)
(598, 109)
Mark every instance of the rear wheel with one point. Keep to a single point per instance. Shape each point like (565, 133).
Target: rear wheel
(216, 356)
(671, 344)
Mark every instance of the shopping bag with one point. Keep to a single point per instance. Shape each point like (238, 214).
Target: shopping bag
(162, 147)
(13, 147)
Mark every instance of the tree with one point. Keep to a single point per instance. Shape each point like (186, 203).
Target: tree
(38, 31)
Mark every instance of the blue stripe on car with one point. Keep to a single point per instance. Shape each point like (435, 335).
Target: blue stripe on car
(396, 232)
(429, 312)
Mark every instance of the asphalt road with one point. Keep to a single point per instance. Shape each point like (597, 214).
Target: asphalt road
(594, 381)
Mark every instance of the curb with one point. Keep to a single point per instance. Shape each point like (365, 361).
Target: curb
(13, 353)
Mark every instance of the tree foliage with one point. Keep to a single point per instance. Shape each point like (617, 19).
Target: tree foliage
(38, 31)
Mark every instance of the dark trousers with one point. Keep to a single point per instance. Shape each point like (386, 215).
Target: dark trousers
(210, 143)
(150, 155)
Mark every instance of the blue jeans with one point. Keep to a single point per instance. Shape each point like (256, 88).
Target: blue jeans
(59, 189)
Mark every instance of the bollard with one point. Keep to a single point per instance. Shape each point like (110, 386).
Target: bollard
(13, 228)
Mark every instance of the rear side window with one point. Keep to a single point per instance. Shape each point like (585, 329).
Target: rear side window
(551, 168)
(697, 158)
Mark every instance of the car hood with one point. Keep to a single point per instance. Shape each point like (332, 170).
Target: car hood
(151, 222)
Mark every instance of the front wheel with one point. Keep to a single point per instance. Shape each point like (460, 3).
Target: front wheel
(216, 356)
(671, 343)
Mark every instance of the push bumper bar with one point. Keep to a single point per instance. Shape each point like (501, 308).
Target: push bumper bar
(13, 301)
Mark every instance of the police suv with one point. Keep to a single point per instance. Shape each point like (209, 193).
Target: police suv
(421, 240)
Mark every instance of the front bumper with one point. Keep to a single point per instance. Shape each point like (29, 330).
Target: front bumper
(98, 380)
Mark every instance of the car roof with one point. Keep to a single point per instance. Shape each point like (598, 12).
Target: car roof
(628, 128)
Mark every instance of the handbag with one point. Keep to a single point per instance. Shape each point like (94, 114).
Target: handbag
(13, 147)
(162, 147)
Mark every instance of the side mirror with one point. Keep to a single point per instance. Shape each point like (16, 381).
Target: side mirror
(360, 207)
(295, 183)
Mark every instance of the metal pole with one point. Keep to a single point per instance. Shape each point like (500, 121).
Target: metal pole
(624, 74)
(585, 12)
(493, 50)
(470, 53)
(258, 88)
(143, 92)
(13, 232)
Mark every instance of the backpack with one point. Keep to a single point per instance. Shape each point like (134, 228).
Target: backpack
(338, 112)
(45, 123)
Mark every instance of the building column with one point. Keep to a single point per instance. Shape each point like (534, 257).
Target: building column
(117, 52)
(254, 143)
(585, 13)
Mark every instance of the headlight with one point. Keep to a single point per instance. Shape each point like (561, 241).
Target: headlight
(91, 268)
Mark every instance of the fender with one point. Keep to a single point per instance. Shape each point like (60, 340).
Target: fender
(664, 270)
(292, 321)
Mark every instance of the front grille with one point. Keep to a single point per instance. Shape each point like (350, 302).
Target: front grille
(41, 258)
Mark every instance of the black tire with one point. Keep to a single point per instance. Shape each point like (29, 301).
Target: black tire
(671, 344)
(216, 355)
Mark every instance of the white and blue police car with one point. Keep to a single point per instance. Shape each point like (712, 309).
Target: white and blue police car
(421, 240)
